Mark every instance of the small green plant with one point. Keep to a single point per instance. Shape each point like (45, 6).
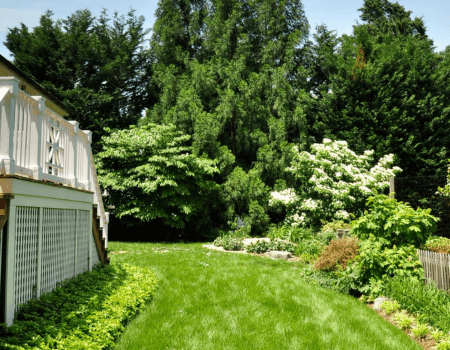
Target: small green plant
(363, 299)
(437, 335)
(420, 331)
(259, 247)
(390, 306)
(403, 320)
(263, 246)
(232, 243)
(445, 345)
(335, 225)
(325, 236)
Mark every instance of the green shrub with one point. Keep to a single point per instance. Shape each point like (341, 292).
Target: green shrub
(246, 195)
(377, 263)
(231, 243)
(311, 247)
(335, 225)
(87, 312)
(263, 246)
(326, 236)
(432, 304)
(337, 254)
(292, 234)
(395, 222)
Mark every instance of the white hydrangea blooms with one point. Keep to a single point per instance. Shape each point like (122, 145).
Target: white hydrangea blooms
(286, 197)
(334, 178)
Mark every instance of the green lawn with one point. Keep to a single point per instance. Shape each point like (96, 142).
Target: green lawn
(212, 300)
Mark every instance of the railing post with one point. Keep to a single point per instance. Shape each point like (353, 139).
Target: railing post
(87, 160)
(36, 139)
(73, 156)
(7, 124)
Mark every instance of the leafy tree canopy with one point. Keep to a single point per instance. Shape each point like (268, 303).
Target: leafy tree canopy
(100, 67)
(151, 173)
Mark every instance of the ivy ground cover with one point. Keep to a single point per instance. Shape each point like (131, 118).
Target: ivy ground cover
(214, 300)
(87, 312)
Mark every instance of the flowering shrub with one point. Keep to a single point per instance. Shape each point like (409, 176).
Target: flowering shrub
(335, 182)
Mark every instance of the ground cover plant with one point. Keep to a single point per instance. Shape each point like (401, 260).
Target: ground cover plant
(216, 300)
(87, 312)
(431, 304)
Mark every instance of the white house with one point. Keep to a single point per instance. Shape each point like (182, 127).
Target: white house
(53, 224)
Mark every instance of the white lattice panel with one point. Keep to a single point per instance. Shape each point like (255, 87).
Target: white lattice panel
(25, 250)
(83, 234)
(58, 241)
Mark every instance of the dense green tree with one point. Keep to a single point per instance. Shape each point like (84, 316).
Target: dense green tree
(385, 95)
(100, 67)
(151, 173)
(230, 74)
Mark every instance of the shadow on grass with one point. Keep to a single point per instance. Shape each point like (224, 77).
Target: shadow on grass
(69, 307)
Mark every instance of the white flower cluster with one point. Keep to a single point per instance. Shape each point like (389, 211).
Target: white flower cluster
(333, 179)
(286, 197)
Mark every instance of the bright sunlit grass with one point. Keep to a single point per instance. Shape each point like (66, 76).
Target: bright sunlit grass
(213, 300)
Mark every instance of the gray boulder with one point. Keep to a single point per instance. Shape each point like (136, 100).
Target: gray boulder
(378, 302)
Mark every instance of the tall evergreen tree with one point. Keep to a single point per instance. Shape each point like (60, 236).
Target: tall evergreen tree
(385, 95)
(100, 67)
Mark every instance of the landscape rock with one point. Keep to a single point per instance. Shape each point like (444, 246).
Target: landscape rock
(279, 254)
(377, 303)
(249, 241)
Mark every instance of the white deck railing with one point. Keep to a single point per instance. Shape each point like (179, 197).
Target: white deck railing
(38, 143)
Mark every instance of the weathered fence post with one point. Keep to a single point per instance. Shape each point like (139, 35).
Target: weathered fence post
(392, 187)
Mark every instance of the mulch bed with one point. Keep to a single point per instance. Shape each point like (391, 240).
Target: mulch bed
(428, 343)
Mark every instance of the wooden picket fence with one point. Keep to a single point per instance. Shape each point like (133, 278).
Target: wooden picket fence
(437, 268)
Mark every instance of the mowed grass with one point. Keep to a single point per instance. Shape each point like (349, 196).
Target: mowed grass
(213, 300)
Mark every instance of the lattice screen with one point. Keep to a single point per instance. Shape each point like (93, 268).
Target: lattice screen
(58, 241)
(83, 234)
(64, 237)
(26, 247)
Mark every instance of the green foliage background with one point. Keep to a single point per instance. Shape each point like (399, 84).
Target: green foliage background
(243, 82)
